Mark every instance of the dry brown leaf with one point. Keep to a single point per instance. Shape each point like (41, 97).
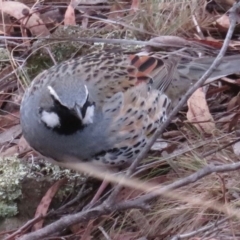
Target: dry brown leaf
(85, 22)
(45, 202)
(233, 103)
(135, 6)
(25, 15)
(198, 111)
(9, 120)
(9, 152)
(233, 122)
(23, 146)
(223, 23)
(10, 134)
(69, 18)
(117, 8)
(225, 3)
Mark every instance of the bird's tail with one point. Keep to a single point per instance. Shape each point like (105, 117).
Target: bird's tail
(189, 72)
(193, 70)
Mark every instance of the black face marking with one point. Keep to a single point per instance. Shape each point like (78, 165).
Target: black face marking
(85, 106)
(69, 122)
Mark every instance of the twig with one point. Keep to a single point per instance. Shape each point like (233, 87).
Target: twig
(51, 55)
(104, 233)
(82, 39)
(198, 28)
(219, 148)
(167, 190)
(79, 196)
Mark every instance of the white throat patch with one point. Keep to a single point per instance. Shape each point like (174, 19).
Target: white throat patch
(51, 119)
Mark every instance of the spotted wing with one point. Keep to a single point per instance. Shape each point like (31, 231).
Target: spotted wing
(135, 115)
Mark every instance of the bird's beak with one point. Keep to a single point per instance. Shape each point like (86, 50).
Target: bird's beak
(78, 112)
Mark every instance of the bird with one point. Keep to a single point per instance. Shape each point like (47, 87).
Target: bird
(102, 108)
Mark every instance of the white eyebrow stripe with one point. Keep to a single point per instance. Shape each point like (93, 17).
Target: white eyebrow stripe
(53, 93)
(86, 92)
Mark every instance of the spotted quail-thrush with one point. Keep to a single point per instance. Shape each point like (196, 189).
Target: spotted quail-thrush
(103, 107)
(100, 108)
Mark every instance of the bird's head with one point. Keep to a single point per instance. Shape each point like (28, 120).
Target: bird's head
(70, 111)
